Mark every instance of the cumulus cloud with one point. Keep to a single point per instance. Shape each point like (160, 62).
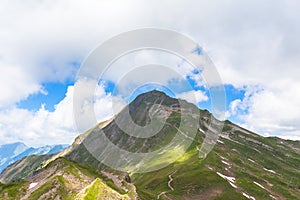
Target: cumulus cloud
(92, 105)
(194, 97)
(250, 42)
(43, 40)
(44, 127)
(270, 111)
(15, 85)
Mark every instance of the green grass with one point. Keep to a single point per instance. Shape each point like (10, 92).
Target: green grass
(98, 190)
(190, 175)
(61, 185)
(13, 190)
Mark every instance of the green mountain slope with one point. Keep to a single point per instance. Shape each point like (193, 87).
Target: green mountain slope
(10, 153)
(260, 168)
(66, 179)
(23, 168)
(242, 164)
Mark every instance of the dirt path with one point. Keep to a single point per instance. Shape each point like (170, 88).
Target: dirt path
(169, 185)
(162, 193)
(170, 181)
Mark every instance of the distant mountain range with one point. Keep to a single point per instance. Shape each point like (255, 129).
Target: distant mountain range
(10, 153)
(242, 164)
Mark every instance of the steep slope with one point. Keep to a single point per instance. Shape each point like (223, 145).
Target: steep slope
(151, 107)
(65, 179)
(242, 165)
(31, 164)
(10, 153)
(253, 166)
(23, 168)
(99, 190)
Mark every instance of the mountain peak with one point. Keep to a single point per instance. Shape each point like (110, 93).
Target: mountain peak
(15, 144)
(153, 93)
(240, 165)
(153, 97)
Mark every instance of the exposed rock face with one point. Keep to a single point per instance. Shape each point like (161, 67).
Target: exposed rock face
(127, 178)
(242, 165)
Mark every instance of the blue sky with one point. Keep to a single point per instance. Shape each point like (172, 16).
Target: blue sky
(53, 93)
(254, 46)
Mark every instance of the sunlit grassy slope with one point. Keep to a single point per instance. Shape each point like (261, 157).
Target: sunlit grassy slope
(242, 164)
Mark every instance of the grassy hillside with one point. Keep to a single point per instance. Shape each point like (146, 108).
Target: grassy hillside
(242, 164)
(65, 179)
(256, 171)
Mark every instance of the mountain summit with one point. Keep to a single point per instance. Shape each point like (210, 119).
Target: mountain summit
(242, 164)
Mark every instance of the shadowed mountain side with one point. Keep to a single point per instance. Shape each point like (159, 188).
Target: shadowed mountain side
(242, 164)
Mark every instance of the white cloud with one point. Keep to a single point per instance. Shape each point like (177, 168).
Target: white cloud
(15, 85)
(271, 111)
(251, 43)
(44, 127)
(92, 105)
(42, 39)
(194, 97)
